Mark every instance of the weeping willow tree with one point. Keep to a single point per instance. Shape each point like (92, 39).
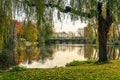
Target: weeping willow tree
(92, 9)
(5, 22)
(33, 10)
(7, 30)
(37, 12)
(41, 12)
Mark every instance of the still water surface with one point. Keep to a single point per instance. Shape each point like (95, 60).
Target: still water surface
(56, 55)
(60, 54)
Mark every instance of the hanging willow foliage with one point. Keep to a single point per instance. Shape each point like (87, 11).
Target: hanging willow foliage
(38, 7)
(42, 11)
(5, 22)
(87, 6)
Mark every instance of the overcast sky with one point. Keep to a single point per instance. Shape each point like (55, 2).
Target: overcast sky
(66, 24)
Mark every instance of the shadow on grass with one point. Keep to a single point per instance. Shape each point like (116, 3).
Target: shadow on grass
(101, 63)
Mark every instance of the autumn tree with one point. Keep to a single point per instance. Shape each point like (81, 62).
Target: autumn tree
(89, 34)
(31, 32)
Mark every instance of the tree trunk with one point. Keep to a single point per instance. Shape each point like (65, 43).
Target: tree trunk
(103, 29)
(102, 44)
(15, 43)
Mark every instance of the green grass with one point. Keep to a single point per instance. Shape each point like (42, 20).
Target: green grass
(108, 71)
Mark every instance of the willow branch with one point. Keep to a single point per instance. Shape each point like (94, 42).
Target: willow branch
(108, 14)
(56, 6)
(68, 9)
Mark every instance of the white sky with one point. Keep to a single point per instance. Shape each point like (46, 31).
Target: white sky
(66, 24)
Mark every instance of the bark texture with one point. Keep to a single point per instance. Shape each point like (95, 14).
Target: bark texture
(103, 29)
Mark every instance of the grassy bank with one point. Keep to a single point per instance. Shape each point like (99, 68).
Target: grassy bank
(109, 71)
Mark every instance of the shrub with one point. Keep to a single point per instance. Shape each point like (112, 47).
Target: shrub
(17, 68)
(77, 63)
(1, 71)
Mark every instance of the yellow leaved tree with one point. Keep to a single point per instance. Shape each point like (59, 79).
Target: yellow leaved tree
(30, 32)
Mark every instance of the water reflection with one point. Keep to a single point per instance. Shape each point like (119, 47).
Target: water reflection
(46, 52)
(35, 54)
(91, 52)
(54, 55)
(113, 52)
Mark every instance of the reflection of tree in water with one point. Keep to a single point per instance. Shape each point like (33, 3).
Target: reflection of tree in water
(113, 52)
(60, 47)
(64, 47)
(28, 54)
(35, 54)
(71, 47)
(32, 53)
(81, 50)
(46, 52)
(7, 59)
(90, 52)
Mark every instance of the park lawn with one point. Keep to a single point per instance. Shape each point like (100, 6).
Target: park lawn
(108, 71)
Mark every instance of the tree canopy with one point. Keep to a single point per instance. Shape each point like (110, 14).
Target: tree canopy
(79, 9)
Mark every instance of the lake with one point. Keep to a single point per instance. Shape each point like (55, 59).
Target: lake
(57, 55)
